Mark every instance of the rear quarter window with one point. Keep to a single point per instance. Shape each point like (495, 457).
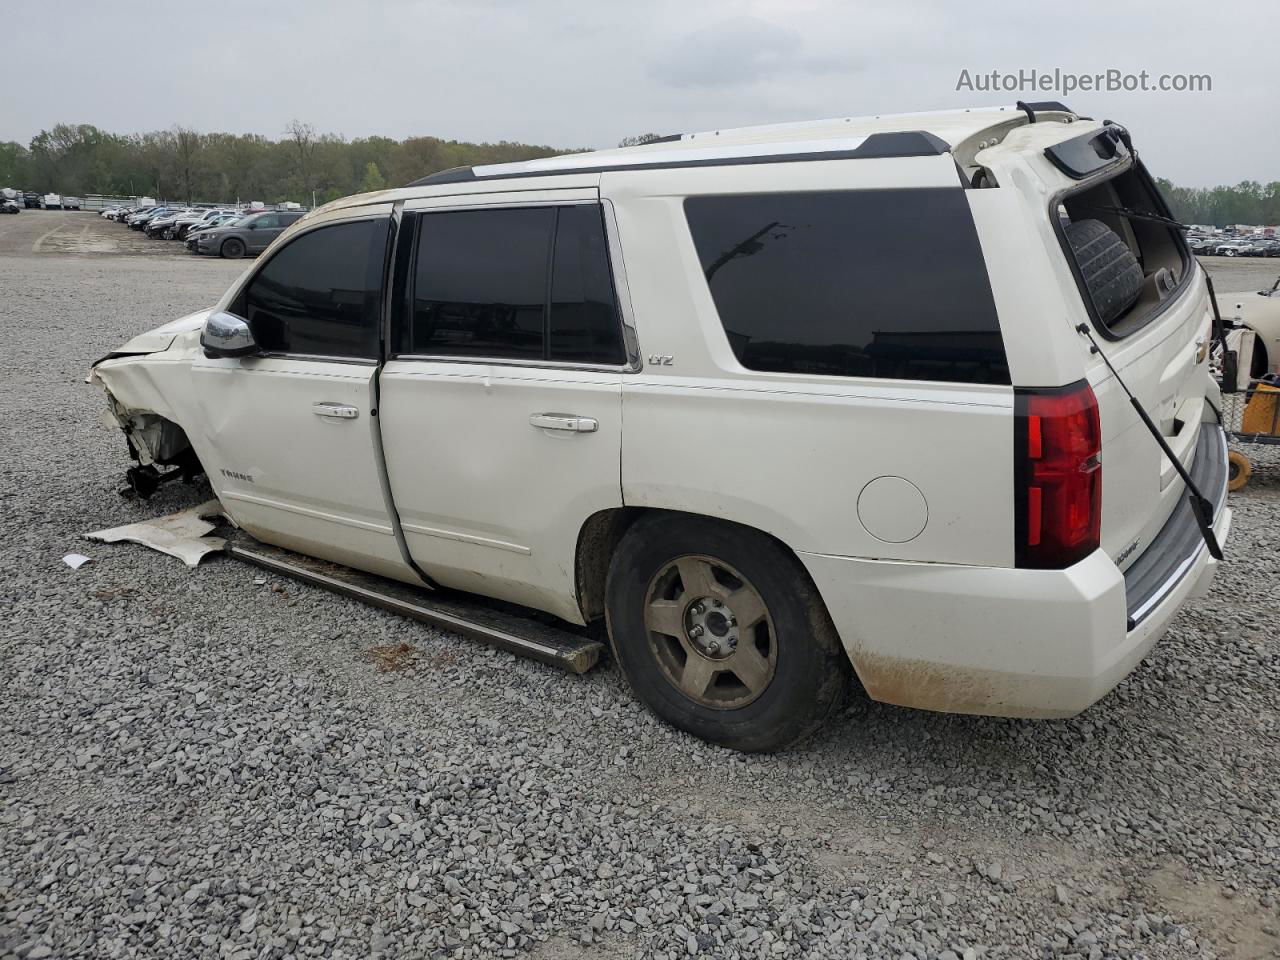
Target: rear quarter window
(886, 284)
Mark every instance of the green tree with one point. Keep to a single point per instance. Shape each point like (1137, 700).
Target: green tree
(14, 163)
(373, 179)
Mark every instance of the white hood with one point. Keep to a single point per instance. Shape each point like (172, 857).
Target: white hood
(153, 341)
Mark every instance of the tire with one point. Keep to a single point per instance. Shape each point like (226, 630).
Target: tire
(232, 249)
(1111, 272)
(1238, 470)
(797, 666)
(1229, 253)
(168, 233)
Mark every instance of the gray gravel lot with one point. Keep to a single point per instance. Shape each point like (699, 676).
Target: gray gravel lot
(198, 764)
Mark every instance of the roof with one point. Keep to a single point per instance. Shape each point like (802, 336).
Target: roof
(896, 135)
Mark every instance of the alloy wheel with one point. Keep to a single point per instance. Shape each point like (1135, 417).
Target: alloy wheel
(710, 632)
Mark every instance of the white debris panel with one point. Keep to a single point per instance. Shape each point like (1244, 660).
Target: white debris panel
(181, 534)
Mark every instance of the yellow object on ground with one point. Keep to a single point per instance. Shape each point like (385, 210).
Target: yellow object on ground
(1262, 412)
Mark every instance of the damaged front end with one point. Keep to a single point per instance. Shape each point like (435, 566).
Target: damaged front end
(154, 443)
(141, 380)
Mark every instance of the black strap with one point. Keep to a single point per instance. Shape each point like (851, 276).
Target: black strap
(1201, 508)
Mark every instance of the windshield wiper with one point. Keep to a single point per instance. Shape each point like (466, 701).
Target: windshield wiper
(1141, 215)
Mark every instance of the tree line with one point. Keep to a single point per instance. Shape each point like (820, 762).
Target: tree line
(1250, 202)
(186, 165)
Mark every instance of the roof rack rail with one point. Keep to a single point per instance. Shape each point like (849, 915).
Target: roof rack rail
(880, 145)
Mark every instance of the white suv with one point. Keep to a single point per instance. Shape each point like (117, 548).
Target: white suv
(773, 402)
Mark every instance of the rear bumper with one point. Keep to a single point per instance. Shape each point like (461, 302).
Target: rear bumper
(1000, 641)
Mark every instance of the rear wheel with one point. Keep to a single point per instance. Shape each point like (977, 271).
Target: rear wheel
(720, 631)
(232, 249)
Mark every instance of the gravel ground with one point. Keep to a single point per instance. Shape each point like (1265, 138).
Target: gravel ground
(221, 764)
(1241, 275)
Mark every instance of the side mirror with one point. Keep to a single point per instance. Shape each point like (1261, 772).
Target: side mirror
(253, 226)
(226, 335)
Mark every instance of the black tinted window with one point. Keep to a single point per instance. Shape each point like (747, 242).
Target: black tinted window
(584, 317)
(480, 283)
(871, 283)
(527, 284)
(319, 294)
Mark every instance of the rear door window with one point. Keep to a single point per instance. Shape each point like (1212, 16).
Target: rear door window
(525, 284)
(886, 284)
(480, 283)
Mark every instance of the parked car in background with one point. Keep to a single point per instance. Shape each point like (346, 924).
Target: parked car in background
(164, 226)
(251, 235)
(139, 221)
(31, 200)
(834, 458)
(9, 206)
(199, 220)
(222, 220)
(1233, 248)
(70, 203)
(51, 201)
(1203, 246)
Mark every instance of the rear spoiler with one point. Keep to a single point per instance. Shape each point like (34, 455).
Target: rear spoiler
(1083, 156)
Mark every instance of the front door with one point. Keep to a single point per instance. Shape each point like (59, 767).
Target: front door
(290, 439)
(501, 405)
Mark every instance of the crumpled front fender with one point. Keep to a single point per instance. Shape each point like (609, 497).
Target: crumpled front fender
(154, 341)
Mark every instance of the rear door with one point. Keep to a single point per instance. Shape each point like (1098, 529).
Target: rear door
(501, 402)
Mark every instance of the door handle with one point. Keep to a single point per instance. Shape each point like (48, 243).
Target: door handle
(564, 421)
(335, 411)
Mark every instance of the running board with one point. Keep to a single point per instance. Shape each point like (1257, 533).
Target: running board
(492, 623)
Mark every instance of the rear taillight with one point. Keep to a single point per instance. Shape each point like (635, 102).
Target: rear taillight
(1058, 475)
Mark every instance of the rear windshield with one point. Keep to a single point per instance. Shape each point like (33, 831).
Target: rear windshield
(886, 284)
(1129, 266)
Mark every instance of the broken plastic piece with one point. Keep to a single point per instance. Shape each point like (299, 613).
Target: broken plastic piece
(75, 560)
(180, 535)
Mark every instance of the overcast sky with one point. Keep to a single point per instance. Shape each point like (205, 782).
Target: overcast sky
(589, 72)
